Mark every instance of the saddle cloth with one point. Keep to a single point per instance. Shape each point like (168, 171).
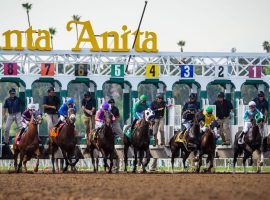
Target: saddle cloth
(55, 132)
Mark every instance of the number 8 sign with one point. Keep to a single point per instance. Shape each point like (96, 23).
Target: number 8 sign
(10, 69)
(47, 69)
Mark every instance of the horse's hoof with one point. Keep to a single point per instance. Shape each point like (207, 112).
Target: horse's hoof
(261, 163)
(36, 170)
(134, 171)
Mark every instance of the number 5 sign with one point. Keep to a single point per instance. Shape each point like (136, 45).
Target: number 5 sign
(47, 69)
(117, 70)
(152, 71)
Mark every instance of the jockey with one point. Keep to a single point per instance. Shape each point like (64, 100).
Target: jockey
(209, 117)
(26, 117)
(99, 118)
(138, 110)
(63, 111)
(251, 114)
(189, 110)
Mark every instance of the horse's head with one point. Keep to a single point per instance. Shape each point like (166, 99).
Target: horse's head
(37, 117)
(149, 116)
(71, 115)
(107, 118)
(199, 117)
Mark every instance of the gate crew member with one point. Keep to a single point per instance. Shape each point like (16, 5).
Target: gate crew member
(51, 105)
(116, 123)
(89, 109)
(12, 106)
(223, 109)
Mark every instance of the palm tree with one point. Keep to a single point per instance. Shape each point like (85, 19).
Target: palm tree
(181, 43)
(266, 46)
(27, 7)
(76, 18)
(52, 31)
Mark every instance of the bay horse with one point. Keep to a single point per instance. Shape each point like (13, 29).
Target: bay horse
(208, 146)
(190, 141)
(252, 142)
(66, 141)
(103, 141)
(140, 141)
(29, 144)
(266, 144)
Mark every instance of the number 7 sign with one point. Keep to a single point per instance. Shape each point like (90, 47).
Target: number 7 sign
(47, 69)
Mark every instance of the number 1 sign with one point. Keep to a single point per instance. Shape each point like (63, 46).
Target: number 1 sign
(47, 69)
(255, 72)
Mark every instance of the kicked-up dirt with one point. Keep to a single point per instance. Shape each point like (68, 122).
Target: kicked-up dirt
(134, 186)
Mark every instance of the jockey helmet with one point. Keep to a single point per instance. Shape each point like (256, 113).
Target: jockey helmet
(221, 95)
(87, 94)
(50, 89)
(192, 96)
(105, 106)
(111, 101)
(261, 94)
(209, 109)
(143, 97)
(159, 96)
(12, 91)
(70, 101)
(252, 104)
(31, 106)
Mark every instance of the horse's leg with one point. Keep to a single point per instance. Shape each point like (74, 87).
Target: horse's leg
(97, 162)
(25, 159)
(20, 163)
(66, 159)
(210, 158)
(148, 155)
(141, 152)
(111, 163)
(244, 161)
(53, 149)
(185, 157)
(37, 163)
(259, 161)
(92, 158)
(235, 155)
(200, 162)
(16, 153)
(135, 161)
(126, 156)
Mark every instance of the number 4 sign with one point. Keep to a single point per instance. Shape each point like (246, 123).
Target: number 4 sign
(255, 72)
(152, 71)
(47, 69)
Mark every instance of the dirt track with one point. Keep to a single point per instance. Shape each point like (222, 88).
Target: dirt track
(134, 186)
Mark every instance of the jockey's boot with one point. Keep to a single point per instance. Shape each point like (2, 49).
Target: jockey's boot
(20, 134)
(57, 125)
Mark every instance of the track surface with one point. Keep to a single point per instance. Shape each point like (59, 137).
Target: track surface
(134, 186)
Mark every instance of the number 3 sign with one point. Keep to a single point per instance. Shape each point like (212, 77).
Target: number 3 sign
(10, 69)
(187, 71)
(47, 69)
(152, 71)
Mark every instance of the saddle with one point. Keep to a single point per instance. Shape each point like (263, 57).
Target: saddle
(55, 132)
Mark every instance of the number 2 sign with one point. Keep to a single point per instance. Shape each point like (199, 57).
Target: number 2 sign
(10, 69)
(255, 72)
(47, 69)
(152, 71)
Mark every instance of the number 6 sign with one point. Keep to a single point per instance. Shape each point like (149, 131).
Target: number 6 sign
(47, 69)
(10, 69)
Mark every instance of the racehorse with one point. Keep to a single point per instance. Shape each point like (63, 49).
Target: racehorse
(29, 143)
(189, 143)
(103, 140)
(252, 142)
(208, 146)
(140, 141)
(66, 141)
(266, 144)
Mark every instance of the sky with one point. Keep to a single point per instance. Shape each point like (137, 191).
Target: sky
(205, 25)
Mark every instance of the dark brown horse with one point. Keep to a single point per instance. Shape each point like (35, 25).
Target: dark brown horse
(140, 141)
(29, 143)
(266, 144)
(66, 141)
(208, 146)
(190, 141)
(103, 141)
(252, 142)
